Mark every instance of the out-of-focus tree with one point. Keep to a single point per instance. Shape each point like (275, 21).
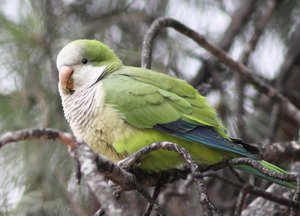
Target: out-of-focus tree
(38, 179)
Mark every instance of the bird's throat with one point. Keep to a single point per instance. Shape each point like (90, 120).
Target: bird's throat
(93, 121)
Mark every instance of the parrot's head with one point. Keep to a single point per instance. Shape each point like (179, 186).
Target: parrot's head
(84, 62)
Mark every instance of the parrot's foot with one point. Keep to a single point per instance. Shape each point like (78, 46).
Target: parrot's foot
(128, 163)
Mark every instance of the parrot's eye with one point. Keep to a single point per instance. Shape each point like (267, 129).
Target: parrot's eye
(84, 61)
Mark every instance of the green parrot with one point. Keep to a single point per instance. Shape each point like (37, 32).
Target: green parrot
(118, 110)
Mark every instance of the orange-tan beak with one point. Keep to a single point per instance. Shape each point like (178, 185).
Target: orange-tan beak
(65, 77)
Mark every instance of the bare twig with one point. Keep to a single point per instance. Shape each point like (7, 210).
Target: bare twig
(99, 212)
(236, 174)
(295, 198)
(240, 111)
(255, 164)
(240, 200)
(179, 191)
(274, 121)
(281, 152)
(150, 200)
(268, 90)
(37, 133)
(262, 206)
(156, 192)
(251, 189)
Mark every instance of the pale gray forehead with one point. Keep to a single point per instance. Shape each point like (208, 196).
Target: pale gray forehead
(69, 55)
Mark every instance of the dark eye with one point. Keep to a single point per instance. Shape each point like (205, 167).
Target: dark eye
(84, 61)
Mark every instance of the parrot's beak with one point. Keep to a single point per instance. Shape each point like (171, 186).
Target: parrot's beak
(65, 77)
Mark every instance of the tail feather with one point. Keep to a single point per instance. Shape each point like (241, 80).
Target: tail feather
(269, 166)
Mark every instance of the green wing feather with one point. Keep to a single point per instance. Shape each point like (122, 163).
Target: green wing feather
(146, 98)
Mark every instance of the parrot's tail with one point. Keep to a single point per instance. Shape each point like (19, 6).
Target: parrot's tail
(269, 166)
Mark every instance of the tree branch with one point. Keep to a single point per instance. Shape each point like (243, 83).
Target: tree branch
(255, 164)
(251, 189)
(96, 180)
(96, 169)
(262, 206)
(240, 200)
(281, 152)
(80, 152)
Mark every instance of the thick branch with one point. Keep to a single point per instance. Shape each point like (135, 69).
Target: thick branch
(96, 180)
(268, 90)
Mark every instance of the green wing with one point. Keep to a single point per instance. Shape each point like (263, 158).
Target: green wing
(147, 98)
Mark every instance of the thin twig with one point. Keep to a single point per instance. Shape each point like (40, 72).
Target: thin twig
(295, 198)
(240, 201)
(150, 200)
(279, 152)
(255, 164)
(262, 86)
(156, 192)
(274, 121)
(37, 133)
(99, 212)
(236, 174)
(240, 111)
(256, 191)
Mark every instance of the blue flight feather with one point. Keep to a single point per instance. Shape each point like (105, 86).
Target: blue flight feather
(203, 135)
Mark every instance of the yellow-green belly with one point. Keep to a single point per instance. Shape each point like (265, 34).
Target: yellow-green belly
(163, 159)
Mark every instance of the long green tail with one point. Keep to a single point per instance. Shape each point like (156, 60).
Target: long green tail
(269, 166)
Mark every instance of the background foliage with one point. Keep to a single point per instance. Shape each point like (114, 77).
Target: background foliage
(38, 179)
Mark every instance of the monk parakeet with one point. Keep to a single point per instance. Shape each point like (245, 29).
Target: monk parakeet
(118, 109)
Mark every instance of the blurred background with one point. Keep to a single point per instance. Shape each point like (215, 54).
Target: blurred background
(37, 178)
